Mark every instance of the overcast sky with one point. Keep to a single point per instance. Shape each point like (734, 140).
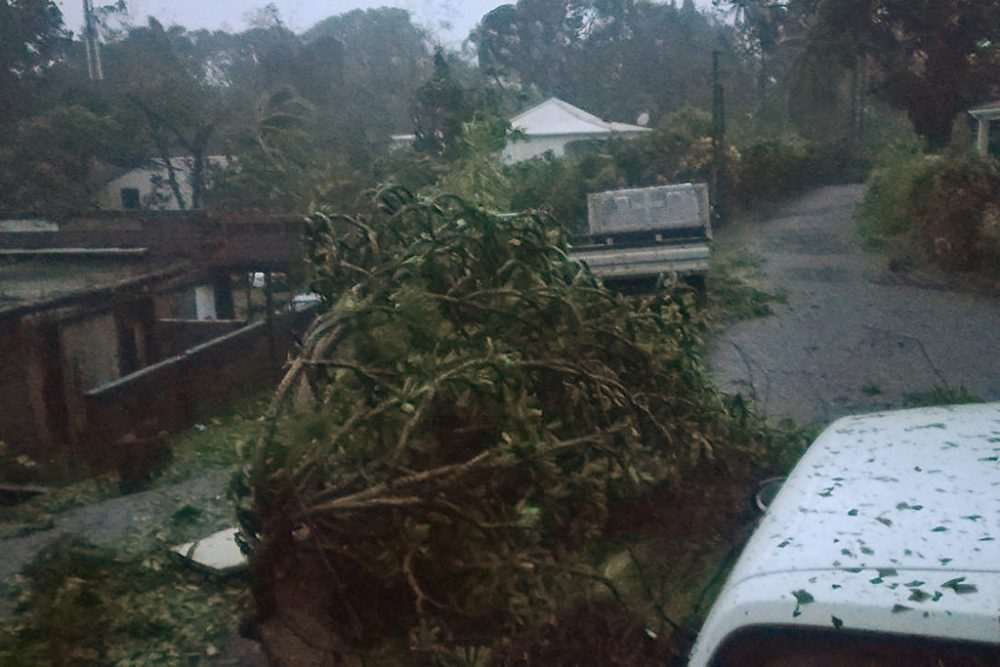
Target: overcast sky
(451, 19)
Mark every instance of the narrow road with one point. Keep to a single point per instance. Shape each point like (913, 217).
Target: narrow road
(854, 336)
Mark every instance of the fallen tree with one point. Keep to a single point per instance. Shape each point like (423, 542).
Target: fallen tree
(456, 429)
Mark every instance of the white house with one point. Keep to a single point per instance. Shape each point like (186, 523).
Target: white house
(985, 115)
(148, 187)
(555, 125)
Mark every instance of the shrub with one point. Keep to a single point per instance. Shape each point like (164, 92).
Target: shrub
(774, 169)
(945, 206)
(458, 425)
(680, 150)
(949, 204)
(884, 211)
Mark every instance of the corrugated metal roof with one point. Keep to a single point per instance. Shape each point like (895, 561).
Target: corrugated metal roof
(554, 117)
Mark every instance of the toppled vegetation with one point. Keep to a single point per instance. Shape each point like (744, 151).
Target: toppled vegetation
(459, 428)
(82, 605)
(941, 209)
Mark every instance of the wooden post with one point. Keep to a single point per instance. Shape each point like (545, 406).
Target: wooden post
(272, 343)
(249, 282)
(225, 308)
(718, 142)
(983, 136)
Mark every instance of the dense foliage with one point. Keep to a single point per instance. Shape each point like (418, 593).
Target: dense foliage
(756, 172)
(615, 59)
(947, 208)
(459, 423)
(932, 59)
(172, 92)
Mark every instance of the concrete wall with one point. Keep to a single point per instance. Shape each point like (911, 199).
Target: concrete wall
(560, 145)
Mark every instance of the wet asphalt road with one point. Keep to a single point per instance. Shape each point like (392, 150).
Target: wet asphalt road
(854, 336)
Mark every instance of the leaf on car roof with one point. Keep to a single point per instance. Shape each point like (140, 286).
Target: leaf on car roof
(803, 596)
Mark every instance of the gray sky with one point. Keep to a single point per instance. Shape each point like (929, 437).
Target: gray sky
(460, 15)
(451, 19)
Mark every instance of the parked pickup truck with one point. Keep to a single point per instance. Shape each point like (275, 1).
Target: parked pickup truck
(647, 233)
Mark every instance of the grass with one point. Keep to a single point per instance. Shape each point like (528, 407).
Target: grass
(940, 395)
(215, 444)
(872, 389)
(731, 294)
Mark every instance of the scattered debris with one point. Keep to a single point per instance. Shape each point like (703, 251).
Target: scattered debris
(218, 553)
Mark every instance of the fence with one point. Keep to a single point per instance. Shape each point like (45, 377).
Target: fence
(176, 392)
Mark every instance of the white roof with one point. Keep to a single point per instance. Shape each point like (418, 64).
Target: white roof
(890, 522)
(988, 111)
(553, 117)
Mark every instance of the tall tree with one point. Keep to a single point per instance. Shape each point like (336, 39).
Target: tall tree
(616, 58)
(32, 38)
(156, 71)
(935, 58)
(439, 110)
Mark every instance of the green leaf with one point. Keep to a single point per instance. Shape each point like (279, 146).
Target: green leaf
(803, 596)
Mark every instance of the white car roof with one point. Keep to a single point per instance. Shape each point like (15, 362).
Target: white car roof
(890, 522)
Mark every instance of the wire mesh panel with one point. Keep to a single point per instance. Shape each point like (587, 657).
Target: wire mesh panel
(648, 209)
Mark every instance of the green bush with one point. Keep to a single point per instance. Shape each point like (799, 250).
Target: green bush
(771, 170)
(460, 424)
(679, 150)
(946, 207)
(884, 212)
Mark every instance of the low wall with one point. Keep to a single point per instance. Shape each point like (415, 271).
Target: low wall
(176, 335)
(183, 388)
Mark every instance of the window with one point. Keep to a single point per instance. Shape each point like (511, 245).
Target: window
(130, 198)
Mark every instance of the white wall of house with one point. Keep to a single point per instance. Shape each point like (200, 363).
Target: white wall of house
(554, 125)
(152, 183)
(529, 147)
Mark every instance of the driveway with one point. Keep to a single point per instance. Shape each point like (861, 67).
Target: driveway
(854, 336)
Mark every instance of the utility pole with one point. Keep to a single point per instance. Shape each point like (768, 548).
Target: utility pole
(94, 67)
(718, 139)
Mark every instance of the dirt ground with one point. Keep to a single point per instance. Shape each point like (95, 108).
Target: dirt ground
(854, 336)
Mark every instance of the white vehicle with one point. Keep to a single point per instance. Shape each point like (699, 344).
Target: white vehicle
(882, 548)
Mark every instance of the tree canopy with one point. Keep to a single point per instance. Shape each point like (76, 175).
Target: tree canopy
(930, 58)
(617, 58)
(31, 39)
